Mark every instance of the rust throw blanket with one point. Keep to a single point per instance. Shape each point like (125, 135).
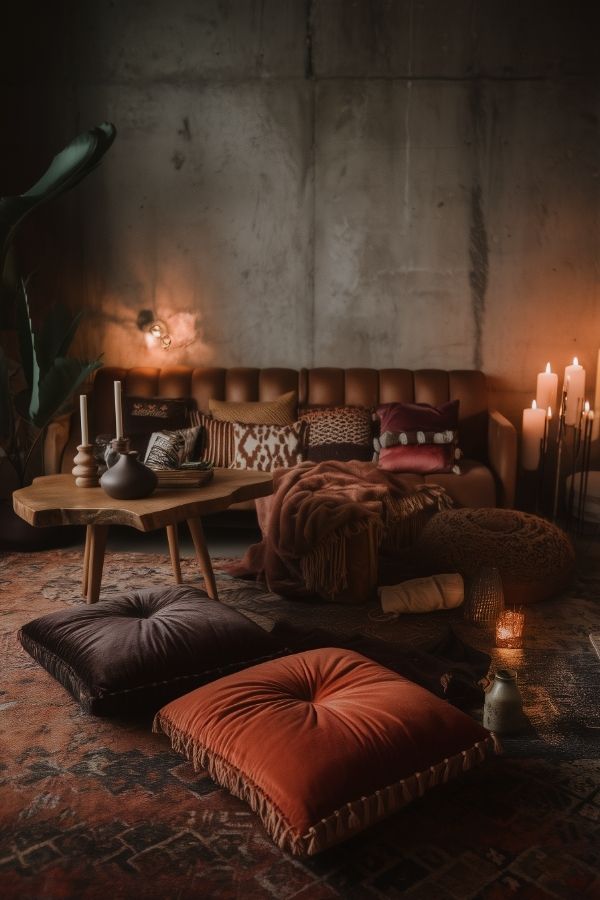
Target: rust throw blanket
(314, 509)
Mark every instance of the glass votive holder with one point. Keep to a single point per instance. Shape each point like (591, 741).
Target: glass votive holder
(509, 629)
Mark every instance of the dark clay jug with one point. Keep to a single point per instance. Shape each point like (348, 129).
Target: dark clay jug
(128, 478)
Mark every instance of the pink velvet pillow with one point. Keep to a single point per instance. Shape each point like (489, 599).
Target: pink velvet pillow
(418, 437)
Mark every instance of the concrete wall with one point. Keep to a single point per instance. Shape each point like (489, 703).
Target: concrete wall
(337, 182)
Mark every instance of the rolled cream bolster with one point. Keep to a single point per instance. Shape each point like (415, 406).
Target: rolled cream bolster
(423, 594)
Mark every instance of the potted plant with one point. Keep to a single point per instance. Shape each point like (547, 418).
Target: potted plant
(37, 383)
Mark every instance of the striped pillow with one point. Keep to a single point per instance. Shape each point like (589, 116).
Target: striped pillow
(272, 412)
(217, 439)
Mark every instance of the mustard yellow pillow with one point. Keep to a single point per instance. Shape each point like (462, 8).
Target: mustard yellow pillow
(281, 411)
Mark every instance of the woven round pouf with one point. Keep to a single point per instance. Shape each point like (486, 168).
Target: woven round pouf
(535, 558)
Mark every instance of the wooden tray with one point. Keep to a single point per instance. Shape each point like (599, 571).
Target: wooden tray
(178, 478)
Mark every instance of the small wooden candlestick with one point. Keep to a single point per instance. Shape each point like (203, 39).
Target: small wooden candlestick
(509, 629)
(85, 469)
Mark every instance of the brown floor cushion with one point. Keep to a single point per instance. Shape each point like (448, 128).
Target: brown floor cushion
(137, 651)
(323, 743)
(534, 557)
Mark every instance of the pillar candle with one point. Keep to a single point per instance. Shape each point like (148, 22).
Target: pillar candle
(596, 418)
(84, 419)
(534, 423)
(547, 386)
(575, 392)
(118, 410)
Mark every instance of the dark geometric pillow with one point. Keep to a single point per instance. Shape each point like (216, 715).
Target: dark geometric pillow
(168, 449)
(135, 652)
(144, 415)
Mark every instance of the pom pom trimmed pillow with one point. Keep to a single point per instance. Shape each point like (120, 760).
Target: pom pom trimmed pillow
(322, 744)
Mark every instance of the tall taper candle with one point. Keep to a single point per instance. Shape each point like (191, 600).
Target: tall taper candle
(547, 386)
(84, 419)
(534, 424)
(118, 410)
(575, 392)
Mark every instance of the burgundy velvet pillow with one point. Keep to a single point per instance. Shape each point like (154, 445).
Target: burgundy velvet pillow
(132, 653)
(322, 744)
(418, 437)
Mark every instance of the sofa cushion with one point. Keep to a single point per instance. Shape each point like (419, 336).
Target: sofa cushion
(267, 447)
(144, 415)
(417, 437)
(281, 411)
(168, 449)
(216, 440)
(323, 743)
(134, 652)
(342, 432)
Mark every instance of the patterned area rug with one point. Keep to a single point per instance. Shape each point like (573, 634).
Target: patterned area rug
(90, 807)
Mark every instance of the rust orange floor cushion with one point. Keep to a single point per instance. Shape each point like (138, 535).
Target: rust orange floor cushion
(322, 744)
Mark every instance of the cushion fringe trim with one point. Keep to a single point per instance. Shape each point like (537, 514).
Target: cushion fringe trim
(342, 823)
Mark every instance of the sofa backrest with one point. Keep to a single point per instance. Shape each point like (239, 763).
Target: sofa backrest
(315, 387)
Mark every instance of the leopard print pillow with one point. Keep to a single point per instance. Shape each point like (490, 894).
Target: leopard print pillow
(267, 447)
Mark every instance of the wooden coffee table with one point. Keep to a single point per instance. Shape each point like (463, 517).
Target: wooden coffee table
(55, 500)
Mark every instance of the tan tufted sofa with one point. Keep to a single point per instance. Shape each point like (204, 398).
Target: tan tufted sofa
(488, 440)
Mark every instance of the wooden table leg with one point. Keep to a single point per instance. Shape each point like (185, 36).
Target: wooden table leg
(197, 532)
(174, 552)
(86, 561)
(98, 536)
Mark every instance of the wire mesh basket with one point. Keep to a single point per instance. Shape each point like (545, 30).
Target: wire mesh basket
(485, 597)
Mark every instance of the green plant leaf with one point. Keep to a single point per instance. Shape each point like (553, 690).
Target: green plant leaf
(66, 170)
(25, 332)
(6, 416)
(61, 380)
(56, 335)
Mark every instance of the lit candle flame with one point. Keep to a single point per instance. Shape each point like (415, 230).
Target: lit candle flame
(548, 368)
(533, 404)
(575, 361)
(586, 407)
(549, 412)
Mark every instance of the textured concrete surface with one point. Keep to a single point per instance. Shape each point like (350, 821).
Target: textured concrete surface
(311, 182)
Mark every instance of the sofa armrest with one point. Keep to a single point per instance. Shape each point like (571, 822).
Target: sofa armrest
(502, 455)
(57, 438)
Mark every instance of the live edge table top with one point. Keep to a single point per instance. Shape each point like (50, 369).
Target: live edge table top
(56, 500)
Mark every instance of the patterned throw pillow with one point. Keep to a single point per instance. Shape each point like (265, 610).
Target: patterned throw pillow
(342, 432)
(144, 415)
(168, 449)
(267, 447)
(418, 437)
(217, 439)
(272, 412)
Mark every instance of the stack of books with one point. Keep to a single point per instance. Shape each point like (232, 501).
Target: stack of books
(184, 477)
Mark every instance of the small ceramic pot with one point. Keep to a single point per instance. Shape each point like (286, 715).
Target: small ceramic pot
(503, 707)
(128, 478)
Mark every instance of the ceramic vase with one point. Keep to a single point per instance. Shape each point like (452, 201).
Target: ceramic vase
(128, 478)
(503, 707)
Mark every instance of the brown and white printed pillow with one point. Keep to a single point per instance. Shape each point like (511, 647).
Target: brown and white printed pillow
(267, 447)
(217, 439)
(342, 432)
(168, 449)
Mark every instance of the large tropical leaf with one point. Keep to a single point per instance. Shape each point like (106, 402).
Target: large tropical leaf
(6, 417)
(56, 335)
(66, 170)
(61, 380)
(25, 335)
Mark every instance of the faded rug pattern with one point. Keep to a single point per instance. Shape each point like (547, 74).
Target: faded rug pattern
(96, 808)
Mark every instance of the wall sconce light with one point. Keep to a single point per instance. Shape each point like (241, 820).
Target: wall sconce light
(155, 329)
